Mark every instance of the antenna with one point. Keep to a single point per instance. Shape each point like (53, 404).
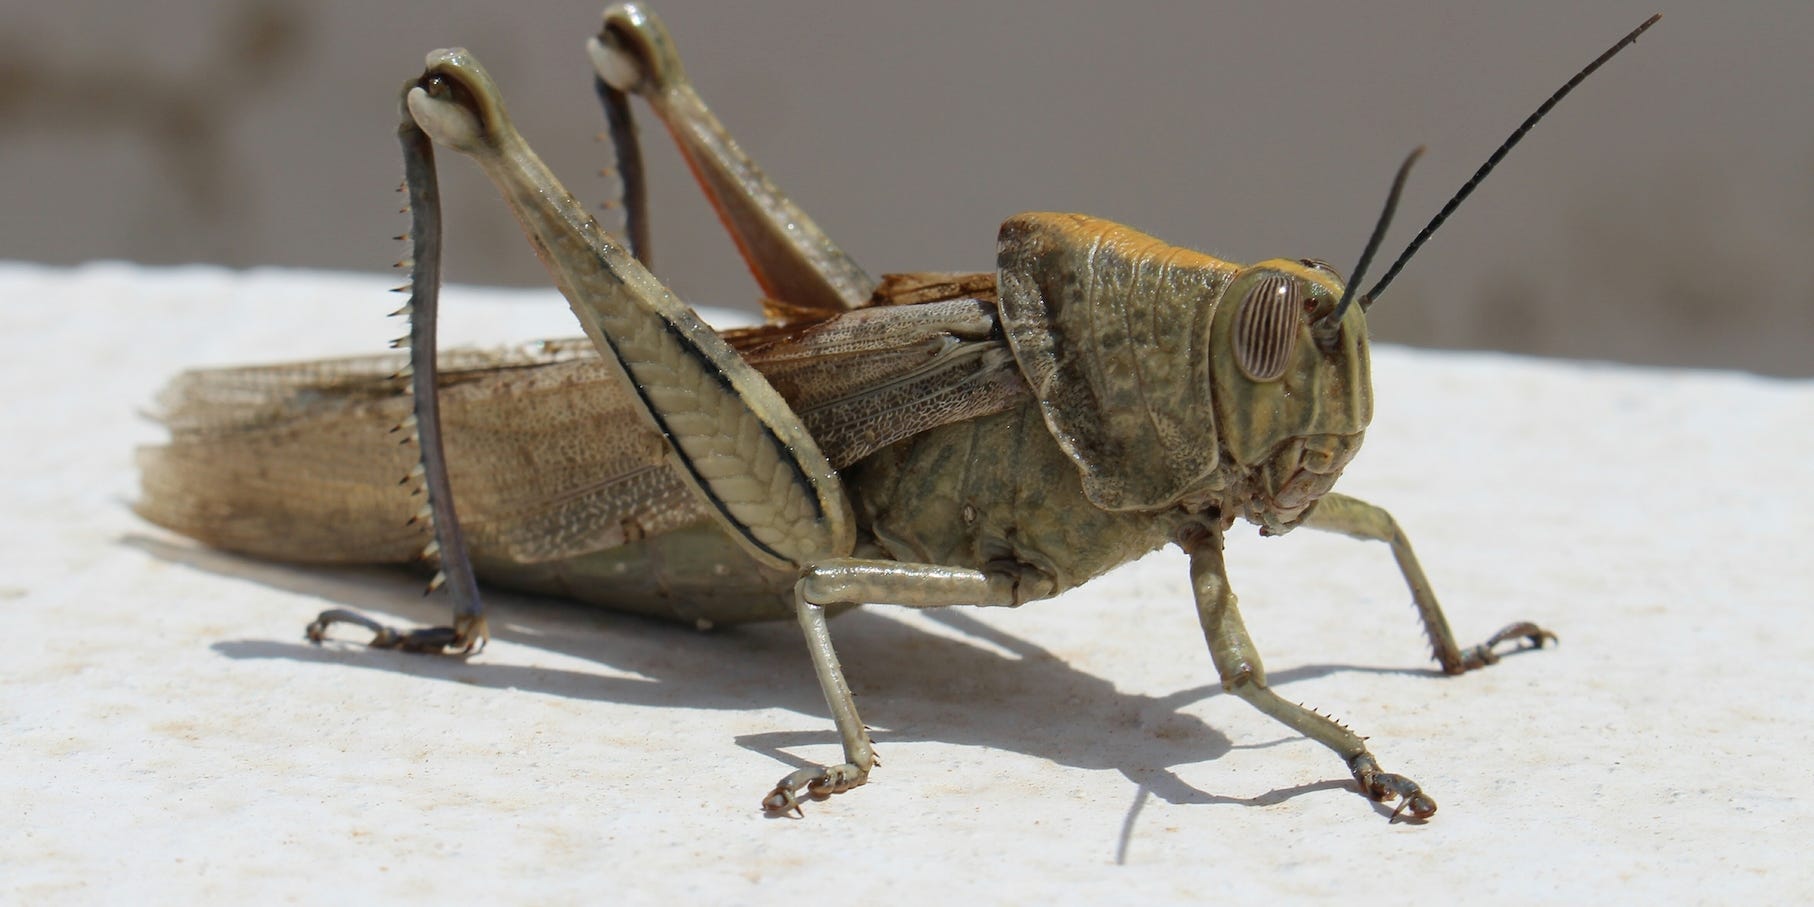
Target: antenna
(1497, 156)
(1329, 322)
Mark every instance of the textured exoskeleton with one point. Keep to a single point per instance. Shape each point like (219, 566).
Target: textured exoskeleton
(924, 440)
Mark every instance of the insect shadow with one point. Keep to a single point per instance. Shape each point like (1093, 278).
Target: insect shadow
(975, 690)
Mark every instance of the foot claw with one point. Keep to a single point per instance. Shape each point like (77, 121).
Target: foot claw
(1482, 655)
(1384, 787)
(781, 800)
(818, 782)
(469, 635)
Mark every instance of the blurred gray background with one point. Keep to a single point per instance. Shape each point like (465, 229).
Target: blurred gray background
(1665, 214)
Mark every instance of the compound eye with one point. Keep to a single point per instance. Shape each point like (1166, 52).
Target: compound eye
(1266, 327)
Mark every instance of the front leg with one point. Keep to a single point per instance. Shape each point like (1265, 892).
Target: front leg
(1238, 664)
(1358, 519)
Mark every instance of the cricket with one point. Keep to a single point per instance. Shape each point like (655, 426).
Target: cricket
(921, 440)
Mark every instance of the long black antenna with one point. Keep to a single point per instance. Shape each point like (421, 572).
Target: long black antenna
(1329, 322)
(1499, 155)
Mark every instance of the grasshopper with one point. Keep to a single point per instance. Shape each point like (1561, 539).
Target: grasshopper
(923, 440)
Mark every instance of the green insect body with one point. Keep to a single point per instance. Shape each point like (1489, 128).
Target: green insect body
(925, 440)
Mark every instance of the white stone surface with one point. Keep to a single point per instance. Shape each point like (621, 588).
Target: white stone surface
(167, 736)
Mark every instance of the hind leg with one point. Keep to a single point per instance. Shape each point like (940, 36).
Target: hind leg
(792, 259)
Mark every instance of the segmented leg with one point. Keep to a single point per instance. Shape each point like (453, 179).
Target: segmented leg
(469, 630)
(732, 437)
(620, 124)
(1361, 520)
(792, 259)
(875, 582)
(1238, 664)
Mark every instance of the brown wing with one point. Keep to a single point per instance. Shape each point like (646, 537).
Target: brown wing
(873, 376)
(300, 462)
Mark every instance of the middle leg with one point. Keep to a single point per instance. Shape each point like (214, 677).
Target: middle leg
(883, 582)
